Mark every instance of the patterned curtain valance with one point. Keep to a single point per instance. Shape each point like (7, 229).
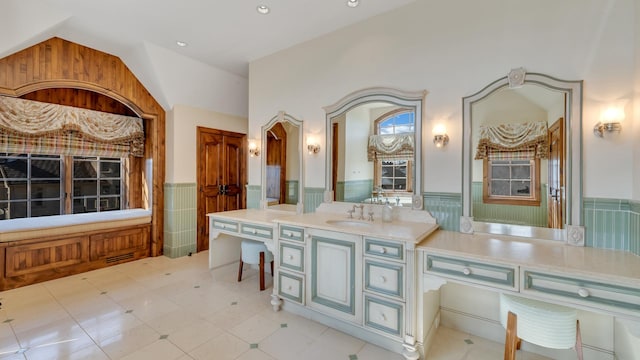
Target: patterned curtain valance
(390, 147)
(526, 138)
(57, 129)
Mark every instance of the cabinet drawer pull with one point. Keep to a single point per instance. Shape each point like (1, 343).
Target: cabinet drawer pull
(383, 317)
(383, 279)
(383, 250)
(290, 234)
(466, 271)
(289, 287)
(290, 257)
(582, 292)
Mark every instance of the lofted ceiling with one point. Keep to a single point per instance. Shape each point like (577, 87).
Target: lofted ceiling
(225, 34)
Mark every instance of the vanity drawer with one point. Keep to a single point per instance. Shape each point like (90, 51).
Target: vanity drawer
(291, 233)
(384, 278)
(291, 286)
(383, 315)
(264, 232)
(500, 276)
(292, 256)
(582, 291)
(384, 249)
(227, 225)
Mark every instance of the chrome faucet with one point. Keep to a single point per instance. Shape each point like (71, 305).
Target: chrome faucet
(361, 206)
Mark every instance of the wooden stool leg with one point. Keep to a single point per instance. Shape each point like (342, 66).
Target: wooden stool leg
(240, 271)
(578, 340)
(511, 340)
(261, 270)
(271, 267)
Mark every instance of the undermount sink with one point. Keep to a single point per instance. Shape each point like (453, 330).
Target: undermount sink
(352, 223)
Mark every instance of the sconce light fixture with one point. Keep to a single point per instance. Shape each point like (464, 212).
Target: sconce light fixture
(312, 145)
(253, 148)
(440, 137)
(610, 121)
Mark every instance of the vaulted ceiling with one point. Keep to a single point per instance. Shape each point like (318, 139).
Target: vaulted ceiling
(225, 34)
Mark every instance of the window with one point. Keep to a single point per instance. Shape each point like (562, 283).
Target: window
(33, 185)
(393, 173)
(514, 182)
(97, 184)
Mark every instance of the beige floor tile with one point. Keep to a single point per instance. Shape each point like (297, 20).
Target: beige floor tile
(255, 354)
(195, 334)
(255, 329)
(372, 352)
(161, 349)
(222, 347)
(129, 341)
(108, 326)
(286, 344)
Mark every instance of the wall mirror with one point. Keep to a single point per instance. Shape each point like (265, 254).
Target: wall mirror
(522, 157)
(374, 147)
(282, 169)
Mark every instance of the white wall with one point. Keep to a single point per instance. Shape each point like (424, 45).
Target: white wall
(357, 125)
(181, 139)
(635, 128)
(453, 48)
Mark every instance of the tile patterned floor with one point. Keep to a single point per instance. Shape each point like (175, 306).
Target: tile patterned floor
(161, 308)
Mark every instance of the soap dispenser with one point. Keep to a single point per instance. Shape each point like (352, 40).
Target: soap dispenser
(387, 212)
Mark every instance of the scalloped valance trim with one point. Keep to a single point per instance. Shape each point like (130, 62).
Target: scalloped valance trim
(29, 121)
(526, 137)
(390, 147)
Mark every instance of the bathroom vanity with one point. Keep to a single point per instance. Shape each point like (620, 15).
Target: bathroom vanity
(355, 275)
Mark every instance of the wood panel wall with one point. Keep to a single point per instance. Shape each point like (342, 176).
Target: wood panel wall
(60, 64)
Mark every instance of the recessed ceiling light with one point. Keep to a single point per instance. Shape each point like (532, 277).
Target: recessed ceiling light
(263, 9)
(181, 43)
(353, 3)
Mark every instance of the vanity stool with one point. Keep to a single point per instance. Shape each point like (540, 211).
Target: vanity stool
(255, 252)
(548, 325)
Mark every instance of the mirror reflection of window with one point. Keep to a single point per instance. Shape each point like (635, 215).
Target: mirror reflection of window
(392, 169)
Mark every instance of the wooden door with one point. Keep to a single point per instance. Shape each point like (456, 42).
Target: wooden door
(221, 177)
(555, 193)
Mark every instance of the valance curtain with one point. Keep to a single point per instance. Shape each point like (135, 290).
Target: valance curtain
(28, 126)
(525, 141)
(390, 147)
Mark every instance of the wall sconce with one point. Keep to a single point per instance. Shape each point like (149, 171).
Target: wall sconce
(254, 150)
(312, 145)
(440, 137)
(610, 121)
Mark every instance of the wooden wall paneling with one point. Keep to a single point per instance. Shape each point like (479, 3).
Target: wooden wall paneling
(116, 243)
(63, 64)
(43, 256)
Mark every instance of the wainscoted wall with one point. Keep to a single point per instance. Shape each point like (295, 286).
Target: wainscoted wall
(358, 190)
(313, 197)
(254, 194)
(612, 224)
(179, 219)
(291, 191)
(511, 214)
(609, 223)
(445, 207)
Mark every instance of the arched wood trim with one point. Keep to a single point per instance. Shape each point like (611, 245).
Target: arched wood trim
(57, 63)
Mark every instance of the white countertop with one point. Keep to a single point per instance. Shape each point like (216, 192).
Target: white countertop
(611, 265)
(256, 216)
(411, 232)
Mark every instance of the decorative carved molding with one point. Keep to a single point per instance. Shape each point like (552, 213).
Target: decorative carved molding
(516, 77)
(575, 235)
(466, 224)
